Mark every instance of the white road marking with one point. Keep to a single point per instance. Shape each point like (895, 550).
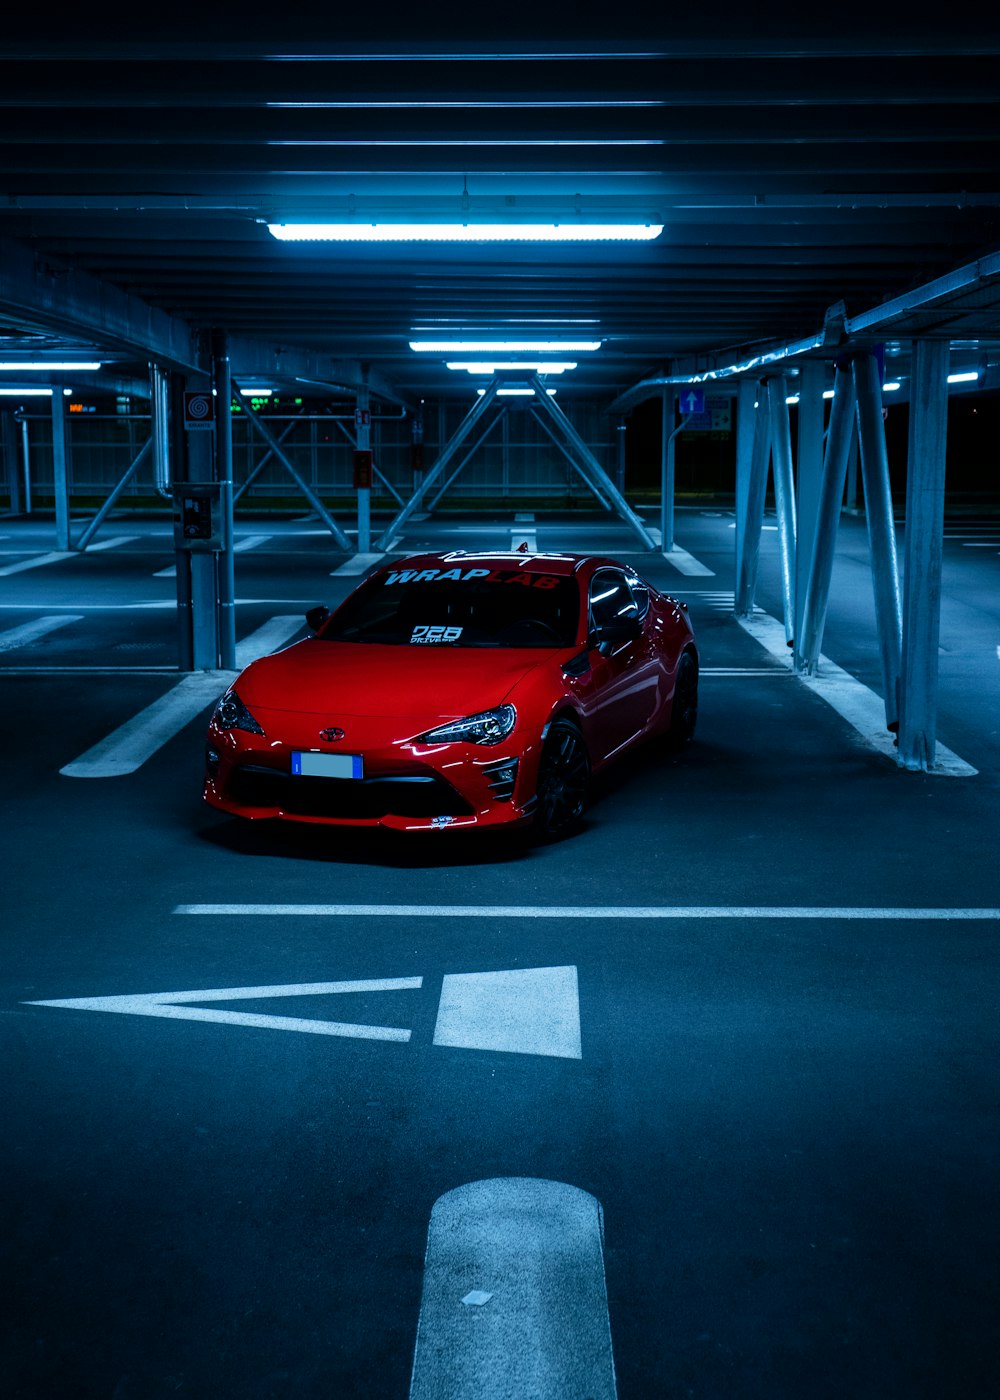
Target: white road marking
(268, 638)
(36, 562)
(529, 1011)
(530, 1253)
(861, 707)
(743, 671)
(526, 537)
(240, 547)
(655, 533)
(31, 631)
(357, 564)
(111, 544)
(171, 572)
(525, 518)
(687, 564)
(69, 671)
(174, 1006)
(586, 911)
(135, 741)
(986, 544)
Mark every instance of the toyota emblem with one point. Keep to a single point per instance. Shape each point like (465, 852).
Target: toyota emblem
(331, 734)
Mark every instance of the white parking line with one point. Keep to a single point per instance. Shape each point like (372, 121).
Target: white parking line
(525, 518)
(111, 544)
(36, 562)
(584, 911)
(514, 1300)
(132, 743)
(357, 564)
(854, 701)
(31, 631)
(240, 547)
(686, 563)
(529, 1011)
(529, 538)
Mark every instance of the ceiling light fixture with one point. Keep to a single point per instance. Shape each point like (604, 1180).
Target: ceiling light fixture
(15, 366)
(491, 367)
(518, 393)
(464, 232)
(969, 377)
(503, 347)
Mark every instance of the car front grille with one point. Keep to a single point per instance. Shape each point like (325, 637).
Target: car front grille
(402, 795)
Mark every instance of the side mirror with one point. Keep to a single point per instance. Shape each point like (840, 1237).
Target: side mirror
(315, 617)
(614, 634)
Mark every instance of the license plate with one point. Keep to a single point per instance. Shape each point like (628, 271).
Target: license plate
(327, 765)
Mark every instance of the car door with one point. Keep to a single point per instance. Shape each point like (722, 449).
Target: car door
(624, 679)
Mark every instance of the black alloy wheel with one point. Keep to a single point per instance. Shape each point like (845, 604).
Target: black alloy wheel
(563, 781)
(684, 712)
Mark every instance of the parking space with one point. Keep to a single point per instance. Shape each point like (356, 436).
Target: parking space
(749, 1008)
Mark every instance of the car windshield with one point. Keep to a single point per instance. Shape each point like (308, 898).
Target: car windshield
(461, 606)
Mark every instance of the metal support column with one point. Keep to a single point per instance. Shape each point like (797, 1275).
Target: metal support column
(60, 469)
(261, 428)
(475, 413)
(808, 477)
(224, 475)
(362, 419)
(12, 461)
(784, 496)
(668, 433)
(881, 533)
(553, 437)
(159, 419)
(622, 428)
(139, 460)
(589, 463)
(746, 418)
(925, 477)
(26, 458)
(839, 438)
(753, 524)
(432, 505)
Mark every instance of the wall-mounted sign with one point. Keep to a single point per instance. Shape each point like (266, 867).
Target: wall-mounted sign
(199, 409)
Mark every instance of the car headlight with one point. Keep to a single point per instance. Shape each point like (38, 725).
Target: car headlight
(488, 727)
(231, 713)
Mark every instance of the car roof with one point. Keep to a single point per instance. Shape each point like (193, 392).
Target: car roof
(559, 564)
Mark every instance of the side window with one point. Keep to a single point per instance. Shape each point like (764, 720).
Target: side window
(610, 598)
(640, 592)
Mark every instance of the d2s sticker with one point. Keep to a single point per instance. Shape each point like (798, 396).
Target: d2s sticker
(436, 634)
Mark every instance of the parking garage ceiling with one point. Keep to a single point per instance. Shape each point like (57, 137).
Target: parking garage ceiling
(790, 171)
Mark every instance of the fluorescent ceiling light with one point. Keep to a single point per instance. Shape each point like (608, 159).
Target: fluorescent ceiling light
(792, 398)
(890, 387)
(465, 233)
(828, 393)
(517, 392)
(256, 393)
(553, 367)
(503, 347)
(30, 393)
(44, 366)
(968, 378)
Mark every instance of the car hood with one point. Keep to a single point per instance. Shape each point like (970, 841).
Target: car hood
(334, 679)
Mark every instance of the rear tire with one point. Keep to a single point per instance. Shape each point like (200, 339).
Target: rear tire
(563, 782)
(684, 710)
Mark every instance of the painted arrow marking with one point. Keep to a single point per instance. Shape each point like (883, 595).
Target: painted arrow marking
(528, 1011)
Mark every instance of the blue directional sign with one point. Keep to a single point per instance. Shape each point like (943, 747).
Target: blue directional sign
(692, 401)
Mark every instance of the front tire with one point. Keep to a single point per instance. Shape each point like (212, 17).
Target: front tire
(684, 709)
(563, 782)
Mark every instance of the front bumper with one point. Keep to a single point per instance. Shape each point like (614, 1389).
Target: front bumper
(406, 786)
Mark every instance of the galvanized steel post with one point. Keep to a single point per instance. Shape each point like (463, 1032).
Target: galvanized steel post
(746, 419)
(12, 461)
(60, 469)
(809, 462)
(668, 434)
(925, 478)
(784, 496)
(224, 475)
(746, 579)
(839, 437)
(881, 532)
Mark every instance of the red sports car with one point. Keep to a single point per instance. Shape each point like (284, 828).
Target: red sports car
(457, 690)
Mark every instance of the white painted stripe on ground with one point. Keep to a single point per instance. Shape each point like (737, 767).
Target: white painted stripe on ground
(525, 518)
(174, 1006)
(133, 742)
(111, 544)
(687, 564)
(170, 572)
(861, 707)
(526, 1258)
(267, 638)
(240, 547)
(528, 1011)
(31, 631)
(36, 562)
(743, 671)
(528, 537)
(67, 672)
(655, 533)
(357, 564)
(585, 911)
